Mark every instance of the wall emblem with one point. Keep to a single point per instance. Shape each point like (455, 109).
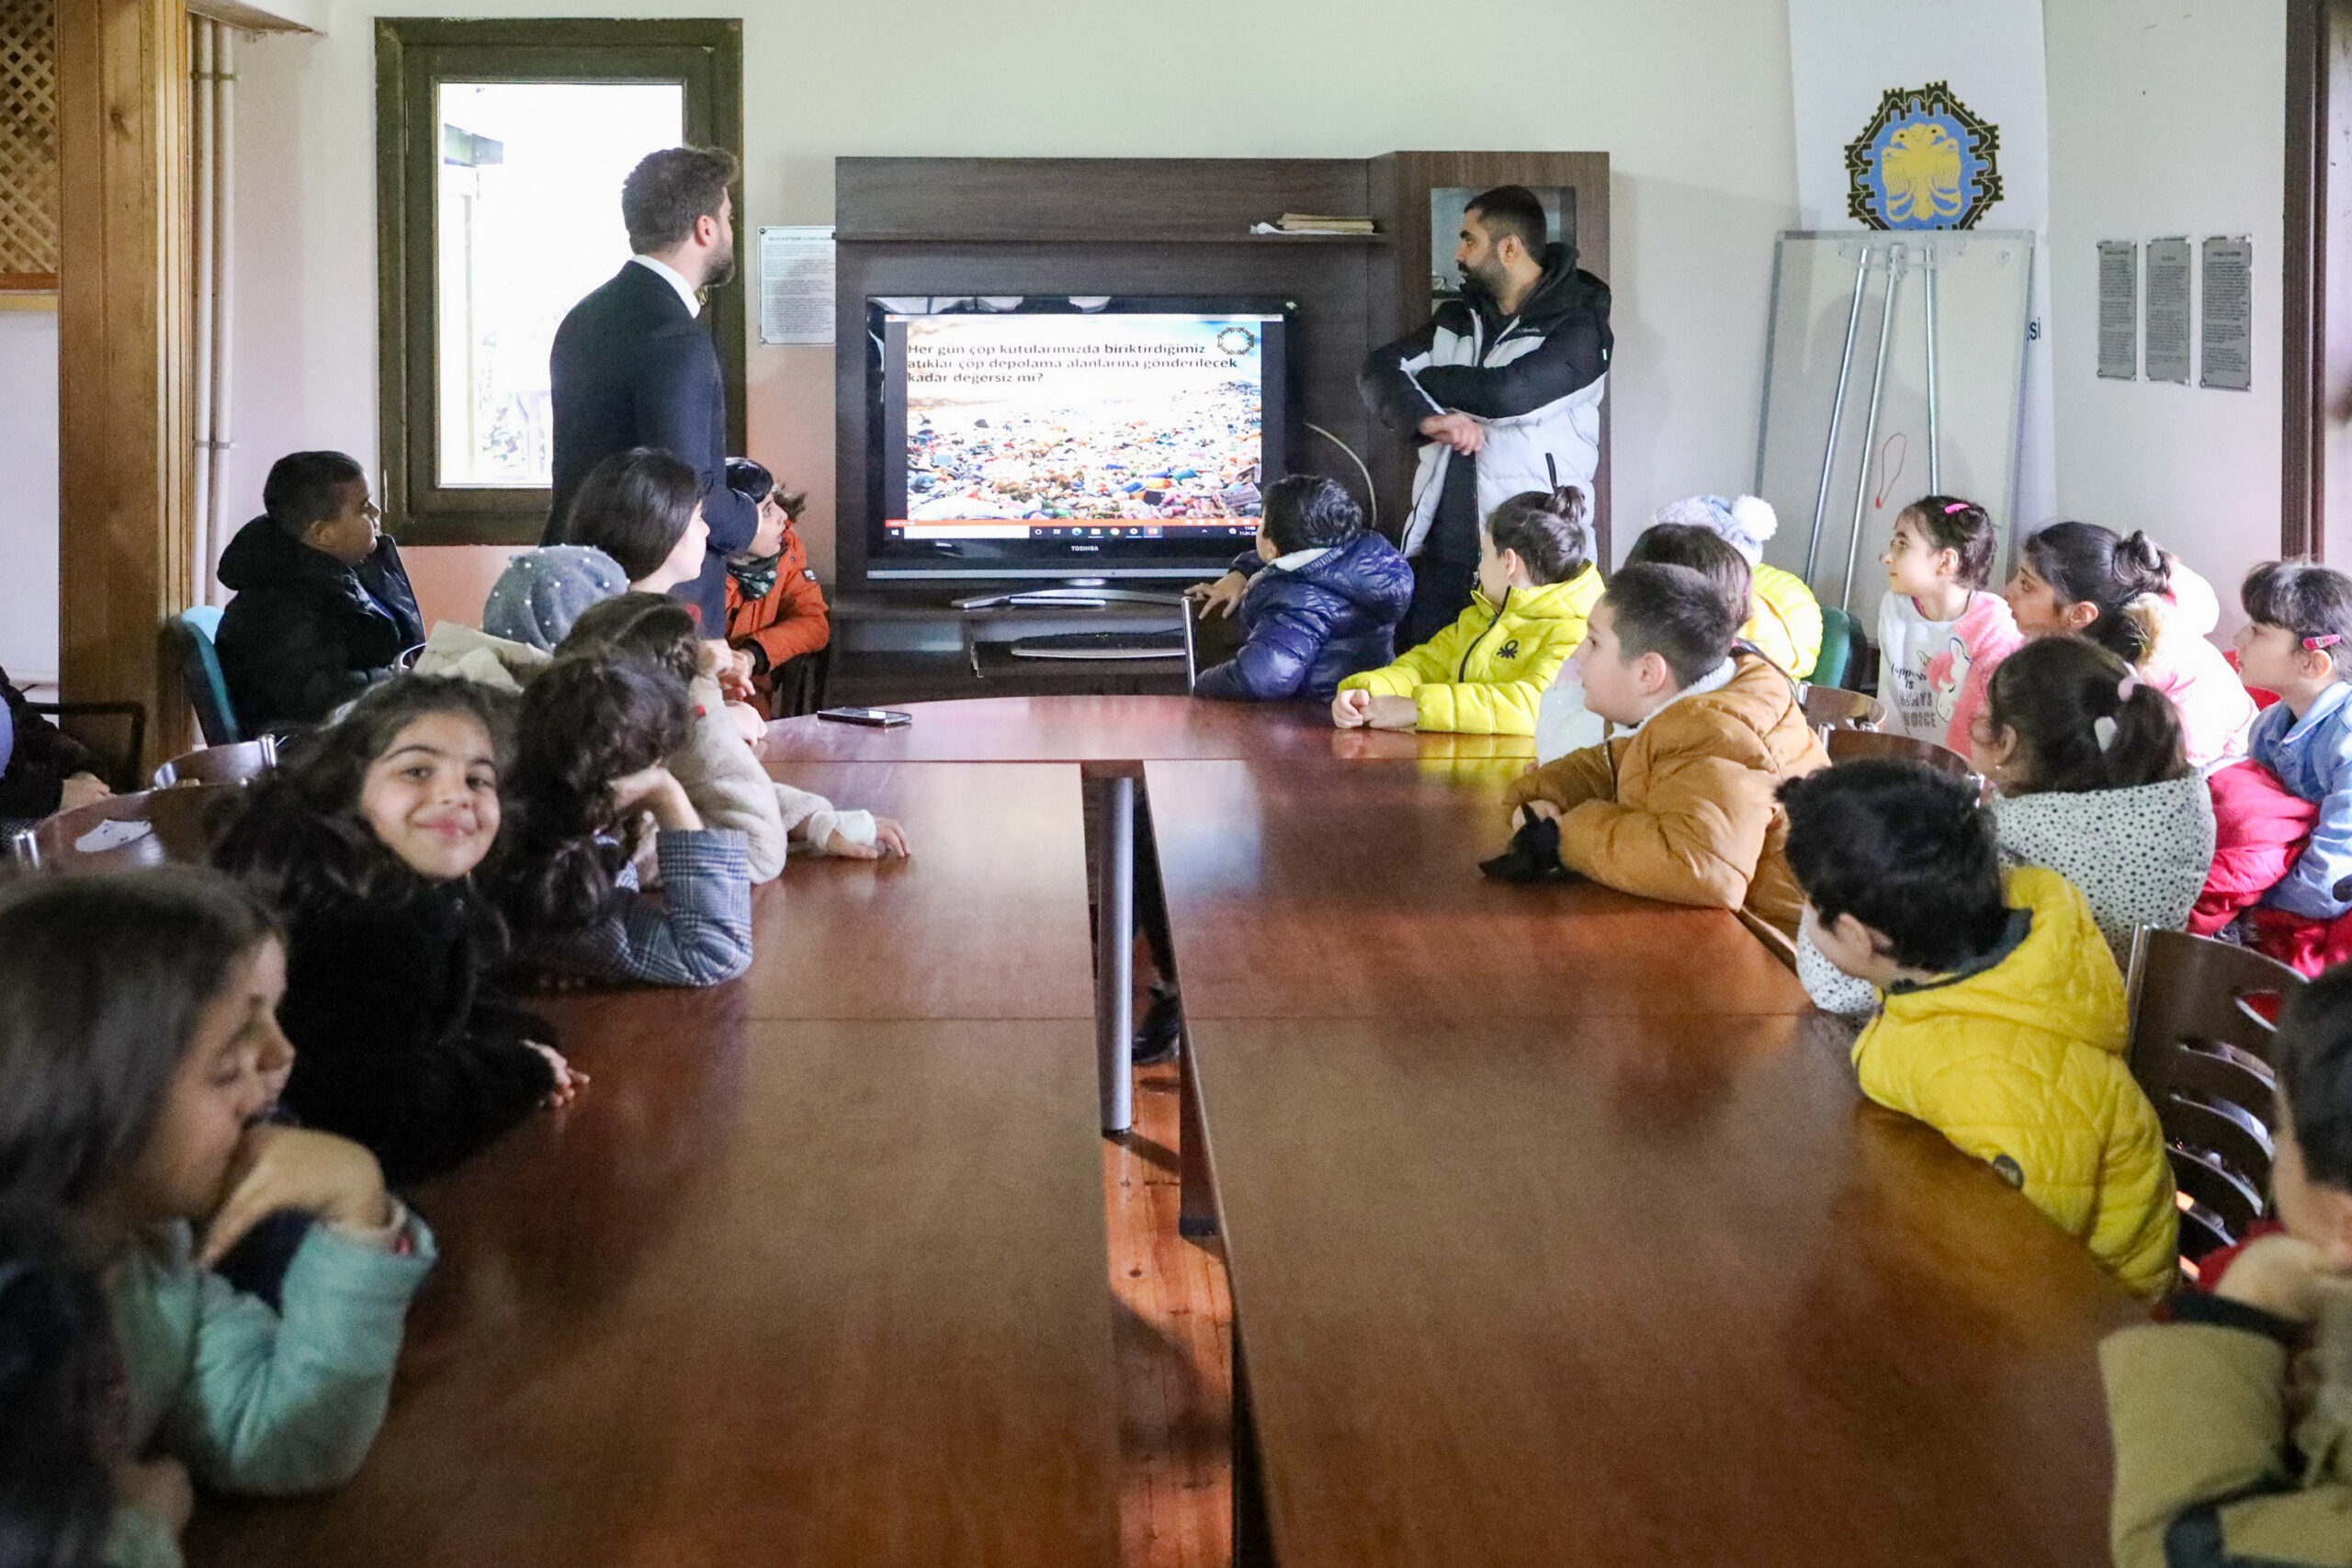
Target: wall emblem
(1924, 162)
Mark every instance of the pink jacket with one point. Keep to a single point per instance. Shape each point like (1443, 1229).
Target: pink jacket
(1984, 635)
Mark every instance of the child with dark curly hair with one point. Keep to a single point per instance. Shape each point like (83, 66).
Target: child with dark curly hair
(588, 773)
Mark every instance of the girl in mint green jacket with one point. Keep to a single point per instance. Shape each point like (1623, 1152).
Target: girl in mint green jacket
(139, 1050)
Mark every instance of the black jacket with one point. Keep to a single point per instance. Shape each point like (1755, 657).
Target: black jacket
(38, 761)
(1308, 630)
(631, 367)
(398, 1044)
(305, 633)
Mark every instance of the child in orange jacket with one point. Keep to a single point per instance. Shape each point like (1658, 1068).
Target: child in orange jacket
(775, 611)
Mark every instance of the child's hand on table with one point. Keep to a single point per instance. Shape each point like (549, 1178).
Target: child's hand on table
(1352, 710)
(889, 839)
(1393, 713)
(568, 1081)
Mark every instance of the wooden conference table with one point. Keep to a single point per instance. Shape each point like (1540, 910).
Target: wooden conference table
(1555, 1230)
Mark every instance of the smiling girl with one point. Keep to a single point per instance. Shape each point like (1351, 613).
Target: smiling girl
(366, 843)
(139, 1050)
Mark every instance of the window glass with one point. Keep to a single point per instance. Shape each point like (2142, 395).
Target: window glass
(529, 222)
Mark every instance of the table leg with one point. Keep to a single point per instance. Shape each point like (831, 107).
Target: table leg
(1196, 1202)
(1254, 1535)
(1114, 958)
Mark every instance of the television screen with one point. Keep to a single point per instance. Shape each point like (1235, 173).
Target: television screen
(1060, 436)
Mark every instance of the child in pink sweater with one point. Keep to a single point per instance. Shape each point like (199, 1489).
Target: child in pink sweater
(1940, 635)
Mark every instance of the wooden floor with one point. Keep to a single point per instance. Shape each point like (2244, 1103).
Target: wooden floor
(1173, 1343)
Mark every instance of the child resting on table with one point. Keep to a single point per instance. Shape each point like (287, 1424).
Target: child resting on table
(365, 841)
(2233, 1419)
(1683, 808)
(1940, 635)
(139, 1048)
(2004, 1027)
(1319, 598)
(1486, 674)
(588, 773)
(721, 773)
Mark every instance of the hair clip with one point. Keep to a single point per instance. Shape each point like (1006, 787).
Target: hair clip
(2125, 687)
(2103, 732)
(2314, 644)
(1956, 506)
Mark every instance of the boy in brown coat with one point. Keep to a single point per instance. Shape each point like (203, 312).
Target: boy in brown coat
(2233, 1421)
(1684, 808)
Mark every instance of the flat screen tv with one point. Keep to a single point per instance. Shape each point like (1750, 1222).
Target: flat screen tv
(1060, 436)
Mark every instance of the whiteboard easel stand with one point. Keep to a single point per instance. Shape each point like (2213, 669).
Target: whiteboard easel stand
(1934, 425)
(1836, 407)
(1896, 256)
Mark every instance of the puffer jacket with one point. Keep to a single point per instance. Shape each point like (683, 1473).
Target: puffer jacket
(1785, 621)
(1533, 382)
(1486, 674)
(2021, 1065)
(305, 633)
(1685, 810)
(788, 621)
(1306, 629)
(2231, 1450)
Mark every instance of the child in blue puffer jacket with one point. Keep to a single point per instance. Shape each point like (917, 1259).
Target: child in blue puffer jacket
(2297, 643)
(1323, 604)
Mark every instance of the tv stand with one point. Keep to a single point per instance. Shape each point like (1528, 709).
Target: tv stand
(1079, 594)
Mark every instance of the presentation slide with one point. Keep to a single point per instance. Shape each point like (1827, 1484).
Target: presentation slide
(1119, 427)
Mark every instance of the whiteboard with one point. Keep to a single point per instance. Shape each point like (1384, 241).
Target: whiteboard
(1981, 288)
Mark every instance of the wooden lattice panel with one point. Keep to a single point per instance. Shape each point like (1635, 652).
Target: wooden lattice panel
(28, 136)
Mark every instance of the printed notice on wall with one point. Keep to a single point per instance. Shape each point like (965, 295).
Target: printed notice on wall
(2228, 332)
(2169, 310)
(797, 283)
(2118, 309)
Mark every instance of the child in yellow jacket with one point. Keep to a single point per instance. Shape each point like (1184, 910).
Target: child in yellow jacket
(1485, 675)
(2233, 1421)
(2004, 1026)
(1682, 810)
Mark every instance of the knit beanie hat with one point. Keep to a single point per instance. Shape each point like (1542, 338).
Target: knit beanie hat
(542, 591)
(1743, 523)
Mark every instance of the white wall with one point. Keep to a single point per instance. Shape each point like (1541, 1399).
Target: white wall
(2167, 121)
(29, 494)
(1691, 101)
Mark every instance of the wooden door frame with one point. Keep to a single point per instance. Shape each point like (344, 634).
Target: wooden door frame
(125, 457)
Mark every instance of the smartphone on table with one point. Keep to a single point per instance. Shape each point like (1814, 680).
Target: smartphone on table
(873, 718)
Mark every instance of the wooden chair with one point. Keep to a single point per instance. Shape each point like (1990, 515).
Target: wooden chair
(241, 763)
(1852, 745)
(2204, 1052)
(1834, 707)
(173, 821)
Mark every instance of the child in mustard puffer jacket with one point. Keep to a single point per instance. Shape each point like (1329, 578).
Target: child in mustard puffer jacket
(1485, 675)
(2005, 1025)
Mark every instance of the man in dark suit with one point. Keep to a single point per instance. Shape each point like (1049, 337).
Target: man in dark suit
(633, 367)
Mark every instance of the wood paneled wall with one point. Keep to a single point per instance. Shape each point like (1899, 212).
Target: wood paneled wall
(123, 354)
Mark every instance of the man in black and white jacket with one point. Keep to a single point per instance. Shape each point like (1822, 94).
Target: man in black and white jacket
(1502, 388)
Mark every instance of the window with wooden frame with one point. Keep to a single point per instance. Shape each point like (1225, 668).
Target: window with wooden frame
(2316, 468)
(500, 148)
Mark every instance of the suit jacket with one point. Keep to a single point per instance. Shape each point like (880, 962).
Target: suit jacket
(632, 368)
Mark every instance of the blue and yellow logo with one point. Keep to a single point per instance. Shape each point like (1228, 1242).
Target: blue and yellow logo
(1923, 162)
